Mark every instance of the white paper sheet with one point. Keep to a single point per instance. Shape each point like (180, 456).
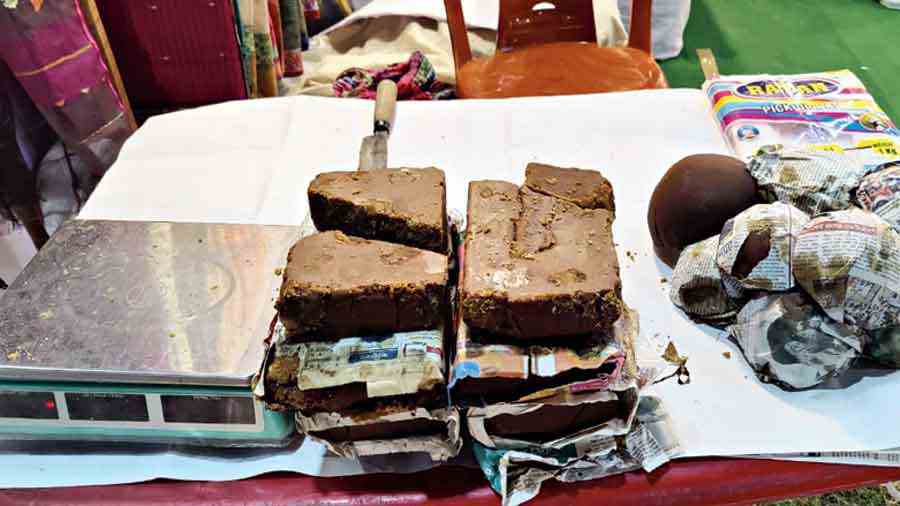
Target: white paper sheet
(252, 161)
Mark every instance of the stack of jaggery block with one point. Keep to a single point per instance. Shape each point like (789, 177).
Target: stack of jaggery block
(363, 310)
(537, 356)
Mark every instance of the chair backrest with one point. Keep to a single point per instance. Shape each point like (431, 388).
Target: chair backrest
(531, 22)
(528, 22)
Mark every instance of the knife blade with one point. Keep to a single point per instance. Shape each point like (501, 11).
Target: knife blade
(373, 152)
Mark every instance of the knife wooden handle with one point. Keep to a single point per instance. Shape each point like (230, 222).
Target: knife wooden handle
(385, 105)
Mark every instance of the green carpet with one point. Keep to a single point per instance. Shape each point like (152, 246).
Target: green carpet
(792, 37)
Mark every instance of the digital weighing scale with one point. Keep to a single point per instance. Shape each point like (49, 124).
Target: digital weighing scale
(143, 332)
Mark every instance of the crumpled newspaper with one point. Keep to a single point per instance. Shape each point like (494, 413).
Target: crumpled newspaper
(697, 286)
(517, 474)
(879, 193)
(789, 341)
(811, 180)
(849, 262)
(755, 246)
(440, 447)
(883, 346)
(622, 399)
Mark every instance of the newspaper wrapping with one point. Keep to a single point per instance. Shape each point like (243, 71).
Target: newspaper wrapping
(883, 346)
(480, 360)
(517, 474)
(440, 447)
(623, 395)
(398, 364)
(755, 246)
(879, 193)
(697, 286)
(393, 365)
(812, 181)
(849, 262)
(789, 341)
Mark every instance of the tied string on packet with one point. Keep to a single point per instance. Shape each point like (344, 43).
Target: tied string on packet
(827, 111)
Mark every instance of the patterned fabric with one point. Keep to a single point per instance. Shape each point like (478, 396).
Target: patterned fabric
(244, 10)
(311, 9)
(50, 51)
(415, 78)
(277, 38)
(291, 29)
(266, 77)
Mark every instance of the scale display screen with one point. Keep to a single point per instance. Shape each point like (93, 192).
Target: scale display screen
(33, 405)
(107, 407)
(208, 409)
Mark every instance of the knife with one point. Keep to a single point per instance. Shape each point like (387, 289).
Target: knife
(374, 150)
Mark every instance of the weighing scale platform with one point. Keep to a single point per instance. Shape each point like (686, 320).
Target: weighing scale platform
(143, 332)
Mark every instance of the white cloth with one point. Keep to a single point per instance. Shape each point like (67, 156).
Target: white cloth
(251, 162)
(669, 20)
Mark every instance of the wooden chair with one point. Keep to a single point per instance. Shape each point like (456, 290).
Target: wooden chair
(549, 47)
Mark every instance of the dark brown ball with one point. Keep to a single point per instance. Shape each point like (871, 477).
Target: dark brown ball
(694, 200)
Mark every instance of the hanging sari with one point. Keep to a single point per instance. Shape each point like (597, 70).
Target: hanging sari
(50, 51)
(291, 32)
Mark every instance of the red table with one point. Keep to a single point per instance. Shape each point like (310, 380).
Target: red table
(683, 483)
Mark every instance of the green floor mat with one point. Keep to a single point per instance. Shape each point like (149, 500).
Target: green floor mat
(792, 37)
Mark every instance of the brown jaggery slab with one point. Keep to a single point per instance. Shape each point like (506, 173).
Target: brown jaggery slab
(694, 199)
(337, 286)
(404, 206)
(553, 421)
(383, 430)
(585, 188)
(537, 266)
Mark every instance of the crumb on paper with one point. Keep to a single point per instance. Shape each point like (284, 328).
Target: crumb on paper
(727, 354)
(671, 355)
(200, 241)
(663, 280)
(171, 334)
(631, 255)
(18, 354)
(278, 271)
(214, 287)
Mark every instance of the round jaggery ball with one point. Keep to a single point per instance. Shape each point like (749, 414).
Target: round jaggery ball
(694, 200)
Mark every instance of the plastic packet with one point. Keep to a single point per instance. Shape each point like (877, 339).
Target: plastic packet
(825, 110)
